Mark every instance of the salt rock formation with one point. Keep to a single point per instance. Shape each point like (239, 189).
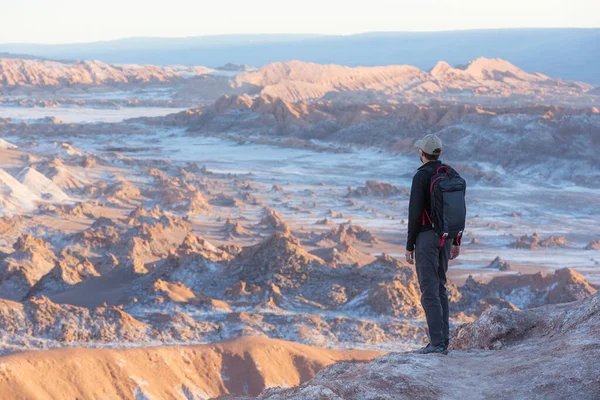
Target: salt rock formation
(184, 199)
(392, 288)
(247, 198)
(499, 264)
(42, 318)
(342, 253)
(276, 188)
(193, 244)
(285, 112)
(231, 249)
(400, 297)
(193, 261)
(242, 292)
(107, 264)
(272, 220)
(122, 193)
(224, 200)
(22, 269)
(88, 162)
(188, 265)
(78, 209)
(103, 234)
(11, 225)
(226, 103)
(69, 271)
(235, 229)
(66, 149)
(347, 233)
(525, 291)
(374, 188)
(593, 245)
(535, 241)
(141, 211)
(547, 353)
(183, 328)
(144, 239)
(175, 292)
(271, 111)
(280, 259)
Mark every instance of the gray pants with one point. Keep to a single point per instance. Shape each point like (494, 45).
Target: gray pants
(431, 265)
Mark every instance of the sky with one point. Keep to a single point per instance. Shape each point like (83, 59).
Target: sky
(75, 21)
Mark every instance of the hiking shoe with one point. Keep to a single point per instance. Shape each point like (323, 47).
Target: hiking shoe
(430, 349)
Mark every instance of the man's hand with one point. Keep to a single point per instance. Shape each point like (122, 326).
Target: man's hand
(454, 252)
(410, 257)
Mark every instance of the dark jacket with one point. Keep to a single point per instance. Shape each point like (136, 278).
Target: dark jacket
(419, 207)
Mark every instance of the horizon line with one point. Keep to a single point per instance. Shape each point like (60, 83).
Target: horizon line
(306, 35)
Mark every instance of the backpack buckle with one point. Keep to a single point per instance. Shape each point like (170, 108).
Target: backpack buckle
(443, 241)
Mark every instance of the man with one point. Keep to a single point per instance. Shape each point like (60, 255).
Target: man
(430, 251)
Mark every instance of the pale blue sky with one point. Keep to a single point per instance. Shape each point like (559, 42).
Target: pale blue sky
(68, 21)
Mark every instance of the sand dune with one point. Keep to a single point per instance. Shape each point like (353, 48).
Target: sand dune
(41, 186)
(15, 195)
(246, 365)
(6, 145)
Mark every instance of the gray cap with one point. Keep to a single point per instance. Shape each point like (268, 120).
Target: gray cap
(430, 144)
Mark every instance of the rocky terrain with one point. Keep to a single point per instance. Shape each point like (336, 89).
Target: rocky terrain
(113, 250)
(537, 352)
(276, 214)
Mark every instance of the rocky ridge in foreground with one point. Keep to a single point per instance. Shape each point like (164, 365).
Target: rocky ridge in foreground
(549, 352)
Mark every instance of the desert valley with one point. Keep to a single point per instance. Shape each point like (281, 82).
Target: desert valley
(238, 232)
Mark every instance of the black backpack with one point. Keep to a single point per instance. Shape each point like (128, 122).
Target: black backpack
(447, 191)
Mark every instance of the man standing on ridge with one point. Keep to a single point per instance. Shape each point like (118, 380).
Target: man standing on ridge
(436, 212)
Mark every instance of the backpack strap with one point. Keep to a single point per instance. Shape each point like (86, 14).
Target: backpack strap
(423, 214)
(437, 171)
(433, 182)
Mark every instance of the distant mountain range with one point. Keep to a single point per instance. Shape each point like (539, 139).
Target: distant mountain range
(566, 53)
(297, 81)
